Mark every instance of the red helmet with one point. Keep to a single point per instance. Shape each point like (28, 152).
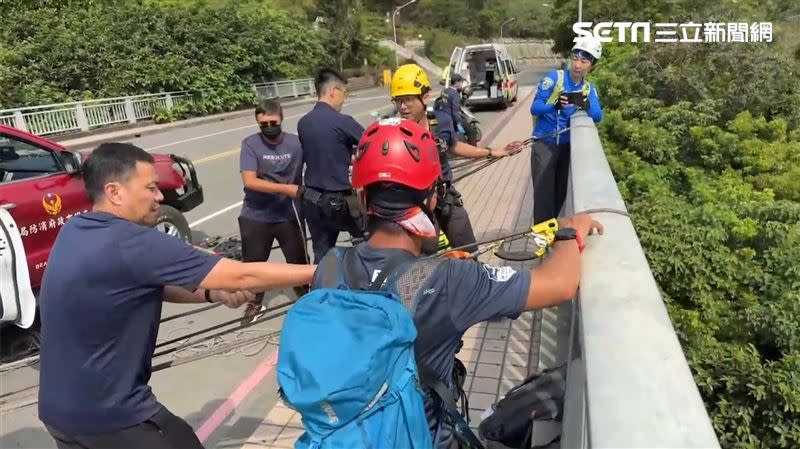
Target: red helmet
(397, 151)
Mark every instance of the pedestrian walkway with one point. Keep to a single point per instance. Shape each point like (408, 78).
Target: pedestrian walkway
(498, 354)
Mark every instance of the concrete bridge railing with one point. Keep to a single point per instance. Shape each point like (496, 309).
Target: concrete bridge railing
(629, 385)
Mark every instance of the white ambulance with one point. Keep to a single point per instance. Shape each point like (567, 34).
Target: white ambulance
(490, 71)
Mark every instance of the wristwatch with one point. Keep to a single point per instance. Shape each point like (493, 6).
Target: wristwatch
(570, 234)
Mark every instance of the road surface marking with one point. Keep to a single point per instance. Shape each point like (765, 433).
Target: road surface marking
(191, 139)
(215, 214)
(242, 391)
(216, 156)
(234, 151)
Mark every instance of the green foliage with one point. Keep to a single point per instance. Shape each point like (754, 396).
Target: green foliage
(64, 51)
(709, 166)
(54, 54)
(479, 18)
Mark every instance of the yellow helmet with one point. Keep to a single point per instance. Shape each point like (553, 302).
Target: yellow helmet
(410, 79)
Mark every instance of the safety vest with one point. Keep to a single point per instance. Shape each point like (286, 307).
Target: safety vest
(557, 88)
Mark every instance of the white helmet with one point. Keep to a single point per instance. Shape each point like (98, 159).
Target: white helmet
(590, 45)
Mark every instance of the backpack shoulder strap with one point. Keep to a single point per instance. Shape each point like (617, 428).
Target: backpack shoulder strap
(557, 88)
(408, 285)
(462, 430)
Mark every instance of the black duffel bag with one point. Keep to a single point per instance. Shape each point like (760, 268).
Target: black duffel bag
(539, 397)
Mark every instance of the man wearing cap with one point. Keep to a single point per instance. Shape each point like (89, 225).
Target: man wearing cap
(551, 111)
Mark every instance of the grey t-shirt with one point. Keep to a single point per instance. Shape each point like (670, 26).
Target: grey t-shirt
(456, 295)
(280, 163)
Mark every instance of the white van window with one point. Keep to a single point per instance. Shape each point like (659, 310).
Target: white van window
(507, 67)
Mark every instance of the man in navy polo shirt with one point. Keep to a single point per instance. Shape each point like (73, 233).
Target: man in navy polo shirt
(328, 138)
(271, 163)
(100, 303)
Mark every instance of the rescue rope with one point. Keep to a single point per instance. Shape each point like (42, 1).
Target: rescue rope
(190, 312)
(17, 364)
(468, 162)
(472, 172)
(609, 210)
(206, 345)
(219, 347)
(525, 144)
(232, 345)
(215, 327)
(213, 352)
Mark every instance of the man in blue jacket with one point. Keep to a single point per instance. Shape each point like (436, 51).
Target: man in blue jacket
(559, 95)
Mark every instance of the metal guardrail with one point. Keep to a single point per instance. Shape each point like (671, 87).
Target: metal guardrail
(628, 385)
(283, 89)
(87, 115)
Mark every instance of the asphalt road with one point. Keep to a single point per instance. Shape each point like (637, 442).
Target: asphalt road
(196, 390)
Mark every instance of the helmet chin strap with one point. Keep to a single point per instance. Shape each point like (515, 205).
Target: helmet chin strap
(426, 205)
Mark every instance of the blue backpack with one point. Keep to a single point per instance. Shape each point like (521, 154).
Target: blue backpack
(346, 364)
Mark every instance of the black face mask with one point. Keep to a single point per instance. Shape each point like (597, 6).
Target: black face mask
(271, 131)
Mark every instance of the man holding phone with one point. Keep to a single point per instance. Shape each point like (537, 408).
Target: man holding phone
(558, 96)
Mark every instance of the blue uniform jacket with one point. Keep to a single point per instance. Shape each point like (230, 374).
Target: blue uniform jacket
(549, 118)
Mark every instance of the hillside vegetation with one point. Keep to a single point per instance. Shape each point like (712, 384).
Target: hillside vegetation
(53, 51)
(702, 138)
(703, 141)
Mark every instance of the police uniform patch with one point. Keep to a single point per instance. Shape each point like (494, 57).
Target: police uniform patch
(441, 145)
(547, 83)
(499, 274)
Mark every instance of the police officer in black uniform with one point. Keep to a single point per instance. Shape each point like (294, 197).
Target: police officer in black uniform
(328, 138)
(410, 92)
(450, 100)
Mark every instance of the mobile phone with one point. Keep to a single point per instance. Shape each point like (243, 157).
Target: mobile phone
(575, 98)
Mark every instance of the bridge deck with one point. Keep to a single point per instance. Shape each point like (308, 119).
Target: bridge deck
(497, 354)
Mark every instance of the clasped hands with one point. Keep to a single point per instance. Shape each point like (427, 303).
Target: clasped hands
(510, 149)
(232, 299)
